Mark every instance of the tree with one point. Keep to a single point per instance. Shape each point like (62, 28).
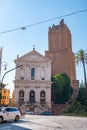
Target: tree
(61, 89)
(57, 87)
(81, 57)
(67, 89)
(82, 96)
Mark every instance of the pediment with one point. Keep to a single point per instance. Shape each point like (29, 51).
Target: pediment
(33, 56)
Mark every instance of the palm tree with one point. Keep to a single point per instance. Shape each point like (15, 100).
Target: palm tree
(81, 57)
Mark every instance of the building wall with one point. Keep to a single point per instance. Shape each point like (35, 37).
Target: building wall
(60, 51)
(5, 96)
(63, 61)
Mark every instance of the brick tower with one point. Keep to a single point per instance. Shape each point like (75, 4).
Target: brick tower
(60, 51)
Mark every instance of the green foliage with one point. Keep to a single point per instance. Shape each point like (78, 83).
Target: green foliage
(74, 107)
(82, 98)
(80, 56)
(58, 83)
(66, 78)
(67, 89)
(61, 89)
(78, 106)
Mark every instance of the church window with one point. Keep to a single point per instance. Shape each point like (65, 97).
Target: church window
(42, 73)
(32, 73)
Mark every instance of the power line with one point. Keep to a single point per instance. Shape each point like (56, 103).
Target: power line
(44, 21)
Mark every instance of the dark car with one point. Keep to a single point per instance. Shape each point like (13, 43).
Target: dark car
(46, 113)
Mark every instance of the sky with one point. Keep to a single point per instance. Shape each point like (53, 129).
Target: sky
(15, 14)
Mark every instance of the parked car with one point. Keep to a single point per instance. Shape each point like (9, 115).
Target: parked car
(9, 113)
(29, 112)
(46, 113)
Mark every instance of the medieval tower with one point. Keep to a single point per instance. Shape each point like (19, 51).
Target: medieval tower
(60, 52)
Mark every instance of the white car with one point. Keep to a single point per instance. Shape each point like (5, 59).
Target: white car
(9, 113)
(28, 112)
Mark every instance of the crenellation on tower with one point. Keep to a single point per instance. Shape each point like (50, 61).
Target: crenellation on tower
(59, 37)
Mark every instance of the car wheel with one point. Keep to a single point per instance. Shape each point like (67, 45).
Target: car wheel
(17, 118)
(1, 119)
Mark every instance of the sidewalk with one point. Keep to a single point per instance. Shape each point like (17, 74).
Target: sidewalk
(56, 122)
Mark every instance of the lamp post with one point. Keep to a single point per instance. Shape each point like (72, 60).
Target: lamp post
(1, 85)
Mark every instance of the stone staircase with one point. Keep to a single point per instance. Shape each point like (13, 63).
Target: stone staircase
(38, 108)
(44, 108)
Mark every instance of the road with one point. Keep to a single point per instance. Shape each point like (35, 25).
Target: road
(35, 122)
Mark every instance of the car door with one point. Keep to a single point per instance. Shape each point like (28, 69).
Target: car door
(6, 114)
(13, 113)
(10, 113)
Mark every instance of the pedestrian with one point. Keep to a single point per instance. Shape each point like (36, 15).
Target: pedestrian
(21, 111)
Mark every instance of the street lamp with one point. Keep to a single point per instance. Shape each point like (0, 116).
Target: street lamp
(1, 85)
(4, 63)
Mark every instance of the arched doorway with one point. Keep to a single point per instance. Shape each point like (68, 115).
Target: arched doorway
(21, 96)
(32, 96)
(42, 97)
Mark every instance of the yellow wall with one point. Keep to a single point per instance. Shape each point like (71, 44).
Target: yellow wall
(5, 96)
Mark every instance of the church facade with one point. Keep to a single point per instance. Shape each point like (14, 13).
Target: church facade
(33, 82)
